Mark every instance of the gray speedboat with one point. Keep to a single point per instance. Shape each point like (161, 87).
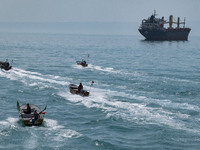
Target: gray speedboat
(30, 114)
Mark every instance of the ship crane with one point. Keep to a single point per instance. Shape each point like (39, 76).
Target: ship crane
(178, 22)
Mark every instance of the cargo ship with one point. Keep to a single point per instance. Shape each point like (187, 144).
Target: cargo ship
(153, 29)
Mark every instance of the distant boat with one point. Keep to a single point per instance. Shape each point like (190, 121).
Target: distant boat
(74, 90)
(82, 63)
(5, 65)
(32, 118)
(153, 29)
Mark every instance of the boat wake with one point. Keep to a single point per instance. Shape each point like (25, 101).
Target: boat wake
(59, 130)
(120, 105)
(10, 122)
(141, 113)
(102, 69)
(34, 78)
(50, 132)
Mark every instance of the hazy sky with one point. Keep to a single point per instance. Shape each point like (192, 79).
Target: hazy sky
(95, 10)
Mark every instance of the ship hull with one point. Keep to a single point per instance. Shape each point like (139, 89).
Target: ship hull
(166, 34)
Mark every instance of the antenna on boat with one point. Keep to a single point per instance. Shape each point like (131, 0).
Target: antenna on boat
(184, 23)
(88, 57)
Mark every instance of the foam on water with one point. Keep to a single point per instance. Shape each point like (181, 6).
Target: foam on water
(147, 100)
(52, 124)
(181, 80)
(104, 69)
(32, 141)
(27, 72)
(39, 77)
(34, 78)
(9, 122)
(6, 125)
(100, 98)
(135, 112)
(51, 130)
(58, 131)
(100, 68)
(78, 66)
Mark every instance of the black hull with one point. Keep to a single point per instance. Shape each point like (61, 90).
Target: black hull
(80, 63)
(74, 90)
(166, 34)
(5, 65)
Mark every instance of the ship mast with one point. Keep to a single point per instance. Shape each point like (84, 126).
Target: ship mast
(184, 23)
(154, 13)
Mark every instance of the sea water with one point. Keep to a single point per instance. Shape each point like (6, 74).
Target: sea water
(146, 94)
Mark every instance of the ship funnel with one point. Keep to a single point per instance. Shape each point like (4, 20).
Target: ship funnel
(178, 23)
(170, 21)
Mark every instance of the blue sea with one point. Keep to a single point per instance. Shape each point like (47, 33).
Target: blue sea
(146, 94)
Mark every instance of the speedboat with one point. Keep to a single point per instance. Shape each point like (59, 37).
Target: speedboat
(5, 65)
(74, 90)
(82, 63)
(33, 118)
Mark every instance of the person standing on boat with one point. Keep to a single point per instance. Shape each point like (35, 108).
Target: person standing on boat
(80, 88)
(36, 115)
(28, 109)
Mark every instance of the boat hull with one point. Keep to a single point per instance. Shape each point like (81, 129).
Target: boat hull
(5, 65)
(166, 34)
(80, 63)
(32, 122)
(74, 90)
(28, 118)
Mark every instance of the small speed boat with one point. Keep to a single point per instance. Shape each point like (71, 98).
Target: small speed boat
(5, 65)
(74, 90)
(82, 63)
(32, 116)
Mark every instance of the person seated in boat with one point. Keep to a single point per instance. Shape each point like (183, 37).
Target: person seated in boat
(6, 64)
(36, 115)
(80, 88)
(28, 109)
(83, 62)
